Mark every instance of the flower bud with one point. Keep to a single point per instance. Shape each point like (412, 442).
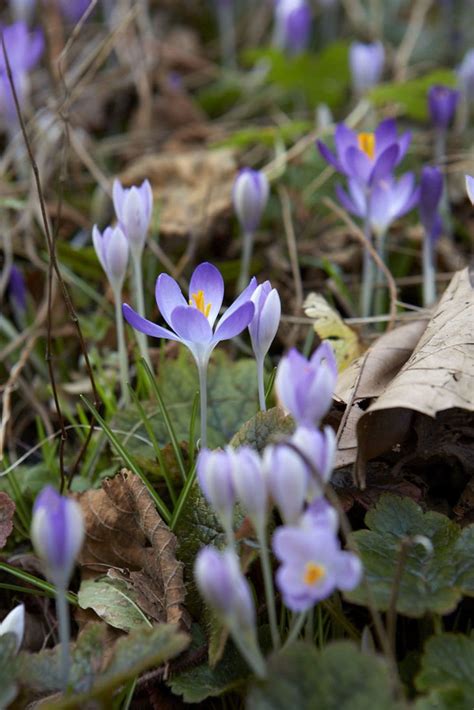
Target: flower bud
(431, 191)
(320, 449)
(465, 74)
(366, 63)
(17, 289)
(214, 472)
(133, 207)
(293, 25)
(57, 533)
(264, 325)
(224, 588)
(305, 388)
(250, 196)
(112, 251)
(14, 623)
(250, 485)
(287, 479)
(442, 103)
(470, 187)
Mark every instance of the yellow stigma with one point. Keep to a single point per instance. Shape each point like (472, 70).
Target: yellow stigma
(313, 573)
(198, 299)
(366, 143)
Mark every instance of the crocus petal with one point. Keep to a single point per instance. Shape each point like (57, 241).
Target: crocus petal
(385, 134)
(168, 296)
(98, 246)
(329, 157)
(118, 194)
(146, 326)
(359, 166)
(470, 187)
(344, 138)
(346, 202)
(403, 143)
(208, 279)
(235, 323)
(384, 164)
(14, 623)
(191, 325)
(348, 571)
(245, 296)
(269, 320)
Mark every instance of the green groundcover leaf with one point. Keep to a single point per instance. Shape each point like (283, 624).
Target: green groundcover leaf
(113, 601)
(8, 686)
(430, 582)
(447, 670)
(264, 428)
(410, 97)
(340, 677)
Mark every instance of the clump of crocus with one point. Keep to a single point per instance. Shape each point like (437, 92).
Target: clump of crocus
(366, 62)
(292, 25)
(192, 322)
(250, 196)
(57, 533)
(14, 623)
(24, 49)
(112, 251)
(431, 193)
(133, 207)
(263, 328)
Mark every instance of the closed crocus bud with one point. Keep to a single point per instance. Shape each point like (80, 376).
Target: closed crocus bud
(214, 472)
(305, 388)
(366, 63)
(250, 196)
(442, 103)
(264, 325)
(250, 485)
(470, 187)
(287, 479)
(133, 207)
(14, 623)
(112, 251)
(224, 588)
(465, 74)
(57, 533)
(320, 449)
(293, 25)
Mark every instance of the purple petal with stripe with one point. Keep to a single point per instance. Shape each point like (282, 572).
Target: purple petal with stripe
(235, 323)
(208, 279)
(168, 296)
(191, 325)
(146, 326)
(384, 164)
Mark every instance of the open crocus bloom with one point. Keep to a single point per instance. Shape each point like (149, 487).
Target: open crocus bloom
(367, 157)
(192, 322)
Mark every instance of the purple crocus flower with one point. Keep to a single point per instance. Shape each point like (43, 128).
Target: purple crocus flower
(133, 207)
(250, 196)
(389, 200)
(312, 566)
(293, 25)
(320, 514)
(263, 328)
(431, 192)
(224, 588)
(366, 63)
(442, 103)
(305, 388)
(366, 157)
(24, 49)
(465, 74)
(320, 448)
(250, 485)
(112, 251)
(14, 623)
(215, 476)
(17, 289)
(57, 533)
(287, 480)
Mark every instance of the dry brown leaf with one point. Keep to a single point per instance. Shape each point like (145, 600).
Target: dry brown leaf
(7, 510)
(193, 188)
(125, 532)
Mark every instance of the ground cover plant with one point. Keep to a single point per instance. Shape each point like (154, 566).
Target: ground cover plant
(237, 359)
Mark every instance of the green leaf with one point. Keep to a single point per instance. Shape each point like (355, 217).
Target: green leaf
(288, 133)
(429, 582)
(447, 668)
(113, 601)
(264, 428)
(321, 78)
(338, 678)
(8, 686)
(410, 97)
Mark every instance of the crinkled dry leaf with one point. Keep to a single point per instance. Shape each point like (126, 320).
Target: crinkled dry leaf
(7, 510)
(124, 531)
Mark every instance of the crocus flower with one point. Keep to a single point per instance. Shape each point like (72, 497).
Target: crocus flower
(320, 448)
(57, 533)
(24, 49)
(287, 480)
(250, 196)
(293, 25)
(366, 157)
(263, 328)
(442, 103)
(250, 485)
(431, 192)
(389, 200)
(320, 514)
(133, 207)
(312, 566)
(14, 623)
(17, 289)
(366, 63)
(305, 388)
(215, 476)
(112, 251)
(470, 187)
(465, 74)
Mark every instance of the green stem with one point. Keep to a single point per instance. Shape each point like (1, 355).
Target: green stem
(140, 304)
(429, 282)
(261, 383)
(122, 349)
(248, 648)
(46, 587)
(295, 629)
(247, 249)
(202, 369)
(367, 273)
(380, 290)
(268, 584)
(64, 635)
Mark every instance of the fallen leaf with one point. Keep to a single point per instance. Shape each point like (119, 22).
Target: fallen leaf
(7, 510)
(124, 531)
(113, 600)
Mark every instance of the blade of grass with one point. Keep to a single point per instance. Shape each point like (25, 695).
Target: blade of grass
(183, 497)
(36, 581)
(161, 506)
(166, 418)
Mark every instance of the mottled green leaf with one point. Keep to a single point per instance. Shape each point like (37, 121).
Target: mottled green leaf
(447, 670)
(8, 686)
(410, 97)
(264, 428)
(340, 677)
(113, 601)
(430, 581)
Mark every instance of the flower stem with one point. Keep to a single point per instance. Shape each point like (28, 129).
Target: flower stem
(440, 158)
(298, 624)
(121, 347)
(249, 649)
(225, 18)
(247, 249)
(429, 283)
(261, 383)
(62, 612)
(379, 305)
(140, 304)
(268, 584)
(368, 272)
(202, 369)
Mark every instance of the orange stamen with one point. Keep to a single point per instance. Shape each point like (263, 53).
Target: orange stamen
(313, 573)
(200, 303)
(366, 142)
